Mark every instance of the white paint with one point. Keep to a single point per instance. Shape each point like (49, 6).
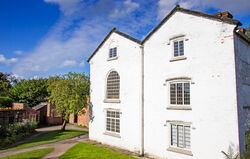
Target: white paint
(210, 64)
(128, 66)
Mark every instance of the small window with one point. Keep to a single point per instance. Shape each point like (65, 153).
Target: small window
(113, 121)
(113, 85)
(180, 136)
(112, 52)
(180, 93)
(178, 48)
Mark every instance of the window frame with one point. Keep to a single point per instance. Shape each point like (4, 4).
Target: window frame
(107, 99)
(176, 98)
(173, 52)
(112, 57)
(177, 135)
(110, 132)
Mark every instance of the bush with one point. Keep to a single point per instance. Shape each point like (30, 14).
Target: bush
(11, 133)
(5, 102)
(246, 154)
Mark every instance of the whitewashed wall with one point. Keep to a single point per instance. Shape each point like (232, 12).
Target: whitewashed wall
(210, 63)
(242, 54)
(128, 66)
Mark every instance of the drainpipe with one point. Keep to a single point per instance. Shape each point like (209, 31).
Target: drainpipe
(142, 100)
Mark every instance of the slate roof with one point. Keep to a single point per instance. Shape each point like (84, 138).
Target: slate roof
(39, 106)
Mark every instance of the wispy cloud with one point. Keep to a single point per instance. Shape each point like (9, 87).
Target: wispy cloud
(6, 61)
(75, 35)
(126, 8)
(18, 52)
(68, 7)
(84, 24)
(68, 63)
(234, 6)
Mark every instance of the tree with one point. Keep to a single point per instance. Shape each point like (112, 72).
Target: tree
(31, 92)
(6, 82)
(69, 93)
(248, 31)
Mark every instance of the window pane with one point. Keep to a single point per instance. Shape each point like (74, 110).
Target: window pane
(113, 121)
(117, 125)
(175, 48)
(179, 94)
(173, 135)
(187, 136)
(110, 53)
(173, 93)
(186, 93)
(181, 48)
(180, 136)
(113, 85)
(114, 53)
(108, 124)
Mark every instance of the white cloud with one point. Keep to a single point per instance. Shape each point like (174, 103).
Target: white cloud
(68, 7)
(127, 7)
(7, 61)
(82, 64)
(68, 63)
(233, 6)
(18, 52)
(35, 77)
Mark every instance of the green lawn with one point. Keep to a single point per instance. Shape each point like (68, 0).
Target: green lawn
(49, 137)
(34, 154)
(88, 151)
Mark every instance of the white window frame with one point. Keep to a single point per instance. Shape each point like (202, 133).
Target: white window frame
(108, 132)
(112, 54)
(177, 138)
(119, 89)
(178, 40)
(169, 92)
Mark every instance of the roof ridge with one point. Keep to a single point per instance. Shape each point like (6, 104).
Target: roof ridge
(115, 31)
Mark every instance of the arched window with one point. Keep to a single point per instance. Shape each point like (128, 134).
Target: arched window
(113, 85)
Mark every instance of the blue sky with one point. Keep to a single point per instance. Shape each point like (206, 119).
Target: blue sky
(39, 38)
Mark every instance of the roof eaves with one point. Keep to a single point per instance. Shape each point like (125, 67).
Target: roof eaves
(243, 36)
(177, 8)
(118, 32)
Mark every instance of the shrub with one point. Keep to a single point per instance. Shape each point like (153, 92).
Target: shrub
(10, 133)
(5, 102)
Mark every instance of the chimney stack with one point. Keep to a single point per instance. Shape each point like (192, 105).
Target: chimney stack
(242, 30)
(224, 15)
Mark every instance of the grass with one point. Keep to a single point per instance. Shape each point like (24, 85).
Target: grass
(89, 151)
(34, 154)
(49, 137)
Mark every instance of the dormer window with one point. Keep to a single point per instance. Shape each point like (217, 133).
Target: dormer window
(178, 48)
(112, 52)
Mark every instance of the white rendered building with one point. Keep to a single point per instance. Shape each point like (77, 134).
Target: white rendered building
(182, 92)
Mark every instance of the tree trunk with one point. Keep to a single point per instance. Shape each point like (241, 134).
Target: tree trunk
(64, 125)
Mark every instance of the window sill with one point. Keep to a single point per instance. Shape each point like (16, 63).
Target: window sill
(112, 58)
(180, 150)
(112, 101)
(178, 58)
(112, 134)
(179, 108)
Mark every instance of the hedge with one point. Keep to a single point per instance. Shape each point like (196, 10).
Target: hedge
(5, 102)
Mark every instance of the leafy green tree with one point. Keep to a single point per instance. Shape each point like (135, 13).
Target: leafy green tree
(31, 92)
(69, 93)
(248, 31)
(5, 83)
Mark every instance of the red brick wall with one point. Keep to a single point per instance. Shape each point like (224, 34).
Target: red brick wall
(83, 119)
(52, 117)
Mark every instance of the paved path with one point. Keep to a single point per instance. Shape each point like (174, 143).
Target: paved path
(60, 147)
